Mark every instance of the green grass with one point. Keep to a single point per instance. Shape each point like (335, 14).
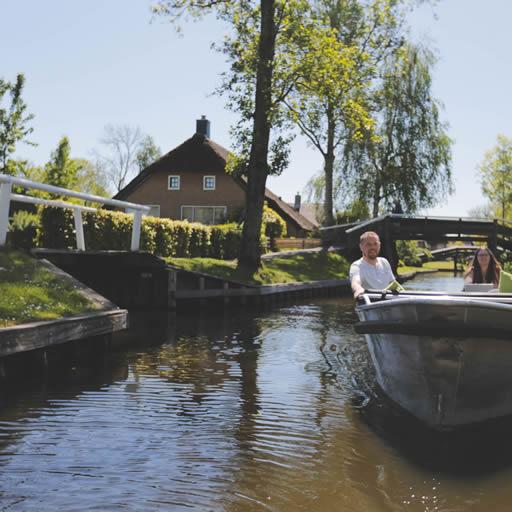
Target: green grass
(30, 292)
(428, 266)
(405, 269)
(439, 265)
(303, 268)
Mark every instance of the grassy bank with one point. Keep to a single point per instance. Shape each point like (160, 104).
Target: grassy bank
(406, 270)
(30, 292)
(302, 268)
(427, 267)
(439, 265)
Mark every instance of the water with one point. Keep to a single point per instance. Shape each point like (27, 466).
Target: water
(269, 410)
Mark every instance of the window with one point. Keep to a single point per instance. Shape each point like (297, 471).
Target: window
(208, 182)
(155, 210)
(204, 214)
(174, 183)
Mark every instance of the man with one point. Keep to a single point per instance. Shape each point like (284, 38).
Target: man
(370, 272)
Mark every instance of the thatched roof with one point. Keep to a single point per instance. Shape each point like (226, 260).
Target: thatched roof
(200, 154)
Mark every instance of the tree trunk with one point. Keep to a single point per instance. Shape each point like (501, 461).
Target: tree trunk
(376, 198)
(257, 171)
(329, 170)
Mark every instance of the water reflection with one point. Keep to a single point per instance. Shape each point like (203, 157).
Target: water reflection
(238, 410)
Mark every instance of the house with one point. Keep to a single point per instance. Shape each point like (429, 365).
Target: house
(312, 211)
(190, 182)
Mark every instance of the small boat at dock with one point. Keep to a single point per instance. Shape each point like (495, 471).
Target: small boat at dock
(445, 358)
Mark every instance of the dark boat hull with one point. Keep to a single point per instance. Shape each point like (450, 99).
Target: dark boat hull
(447, 360)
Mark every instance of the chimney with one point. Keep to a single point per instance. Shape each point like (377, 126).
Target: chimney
(296, 205)
(203, 126)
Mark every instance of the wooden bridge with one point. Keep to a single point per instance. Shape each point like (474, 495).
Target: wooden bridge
(497, 234)
(452, 251)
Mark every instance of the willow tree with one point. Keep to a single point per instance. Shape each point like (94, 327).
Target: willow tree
(496, 175)
(409, 162)
(263, 49)
(330, 103)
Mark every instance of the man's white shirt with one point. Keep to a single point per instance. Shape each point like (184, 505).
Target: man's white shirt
(372, 277)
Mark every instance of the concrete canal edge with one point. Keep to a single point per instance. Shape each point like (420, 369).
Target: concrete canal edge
(46, 333)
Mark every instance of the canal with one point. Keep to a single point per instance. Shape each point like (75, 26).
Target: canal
(259, 410)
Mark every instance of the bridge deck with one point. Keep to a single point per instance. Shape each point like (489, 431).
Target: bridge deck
(391, 227)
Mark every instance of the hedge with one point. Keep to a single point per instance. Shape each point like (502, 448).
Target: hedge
(273, 226)
(23, 228)
(112, 230)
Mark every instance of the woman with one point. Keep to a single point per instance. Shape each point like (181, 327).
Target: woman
(484, 268)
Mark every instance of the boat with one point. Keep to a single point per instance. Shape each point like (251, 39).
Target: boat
(445, 358)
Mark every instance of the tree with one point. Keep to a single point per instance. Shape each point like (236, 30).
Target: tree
(329, 104)
(148, 153)
(119, 161)
(409, 160)
(496, 175)
(73, 173)
(13, 120)
(262, 50)
(90, 179)
(481, 212)
(62, 170)
(24, 169)
(356, 210)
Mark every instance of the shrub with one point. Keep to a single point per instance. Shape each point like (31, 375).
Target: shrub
(273, 226)
(225, 241)
(112, 230)
(199, 241)
(57, 228)
(107, 230)
(165, 242)
(355, 211)
(23, 230)
(182, 233)
(409, 252)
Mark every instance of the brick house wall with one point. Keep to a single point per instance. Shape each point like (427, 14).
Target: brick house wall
(155, 191)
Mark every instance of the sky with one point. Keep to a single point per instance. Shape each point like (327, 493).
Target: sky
(89, 64)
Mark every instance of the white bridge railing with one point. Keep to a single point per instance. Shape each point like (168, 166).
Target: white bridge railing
(6, 196)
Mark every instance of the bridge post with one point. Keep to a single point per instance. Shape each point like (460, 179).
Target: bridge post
(172, 285)
(5, 203)
(389, 246)
(137, 220)
(79, 229)
(492, 240)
